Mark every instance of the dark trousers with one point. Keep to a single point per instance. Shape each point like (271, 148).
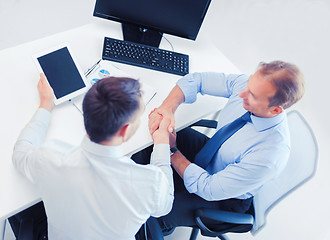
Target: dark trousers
(30, 224)
(190, 142)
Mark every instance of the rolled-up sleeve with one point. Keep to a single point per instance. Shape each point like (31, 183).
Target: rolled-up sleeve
(232, 182)
(211, 83)
(236, 179)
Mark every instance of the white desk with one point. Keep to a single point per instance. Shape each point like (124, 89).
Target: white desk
(20, 99)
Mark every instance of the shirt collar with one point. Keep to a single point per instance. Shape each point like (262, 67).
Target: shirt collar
(262, 124)
(101, 150)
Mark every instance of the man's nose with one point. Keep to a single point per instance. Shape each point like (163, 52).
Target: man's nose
(242, 94)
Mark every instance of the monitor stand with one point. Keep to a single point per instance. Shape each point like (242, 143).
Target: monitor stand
(141, 35)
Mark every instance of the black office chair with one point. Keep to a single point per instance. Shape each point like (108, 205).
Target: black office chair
(226, 221)
(300, 168)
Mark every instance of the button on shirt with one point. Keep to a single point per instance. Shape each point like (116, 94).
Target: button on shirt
(252, 156)
(92, 191)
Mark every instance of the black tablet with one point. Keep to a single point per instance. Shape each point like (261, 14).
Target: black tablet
(62, 72)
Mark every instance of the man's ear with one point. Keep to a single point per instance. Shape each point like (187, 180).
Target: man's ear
(122, 132)
(275, 110)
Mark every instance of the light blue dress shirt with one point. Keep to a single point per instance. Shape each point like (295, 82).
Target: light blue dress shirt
(252, 156)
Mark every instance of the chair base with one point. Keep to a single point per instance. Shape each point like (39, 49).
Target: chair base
(194, 234)
(195, 231)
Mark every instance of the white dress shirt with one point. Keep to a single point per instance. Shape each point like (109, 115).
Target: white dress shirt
(92, 191)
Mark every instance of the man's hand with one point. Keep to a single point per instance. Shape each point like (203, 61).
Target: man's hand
(161, 135)
(168, 108)
(46, 94)
(156, 116)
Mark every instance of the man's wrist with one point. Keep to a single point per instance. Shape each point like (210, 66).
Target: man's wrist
(161, 139)
(48, 106)
(173, 150)
(169, 108)
(179, 162)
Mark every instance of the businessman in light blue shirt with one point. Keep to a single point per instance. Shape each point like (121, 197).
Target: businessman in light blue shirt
(249, 158)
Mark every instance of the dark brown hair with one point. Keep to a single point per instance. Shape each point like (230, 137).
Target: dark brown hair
(108, 105)
(287, 79)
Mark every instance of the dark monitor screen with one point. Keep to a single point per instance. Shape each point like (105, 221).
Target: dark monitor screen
(181, 18)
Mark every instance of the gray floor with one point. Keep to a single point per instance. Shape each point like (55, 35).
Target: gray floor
(247, 32)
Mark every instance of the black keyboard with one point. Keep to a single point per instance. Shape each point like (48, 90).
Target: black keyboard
(145, 56)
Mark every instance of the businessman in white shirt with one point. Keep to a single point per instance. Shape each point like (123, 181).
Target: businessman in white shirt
(93, 191)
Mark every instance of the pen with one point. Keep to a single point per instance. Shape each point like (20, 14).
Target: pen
(90, 70)
(75, 106)
(151, 98)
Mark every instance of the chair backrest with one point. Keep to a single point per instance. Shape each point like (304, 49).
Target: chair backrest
(300, 167)
(2, 229)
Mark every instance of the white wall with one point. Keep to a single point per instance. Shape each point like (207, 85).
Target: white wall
(23, 21)
(297, 31)
(247, 32)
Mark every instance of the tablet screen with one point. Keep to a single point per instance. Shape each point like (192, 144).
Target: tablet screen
(61, 72)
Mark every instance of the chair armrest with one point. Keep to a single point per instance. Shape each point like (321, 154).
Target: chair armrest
(205, 123)
(225, 216)
(238, 222)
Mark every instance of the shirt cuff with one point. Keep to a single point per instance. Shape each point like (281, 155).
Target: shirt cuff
(191, 176)
(161, 155)
(42, 115)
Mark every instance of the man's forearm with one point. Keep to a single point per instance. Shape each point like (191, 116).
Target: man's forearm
(179, 162)
(174, 99)
(30, 137)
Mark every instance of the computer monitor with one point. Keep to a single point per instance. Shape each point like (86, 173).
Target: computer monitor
(145, 21)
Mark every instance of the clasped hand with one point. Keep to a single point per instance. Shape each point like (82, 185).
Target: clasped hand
(161, 126)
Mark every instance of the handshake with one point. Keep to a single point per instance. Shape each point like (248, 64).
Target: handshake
(161, 127)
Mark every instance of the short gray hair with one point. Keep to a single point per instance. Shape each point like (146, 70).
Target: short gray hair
(288, 80)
